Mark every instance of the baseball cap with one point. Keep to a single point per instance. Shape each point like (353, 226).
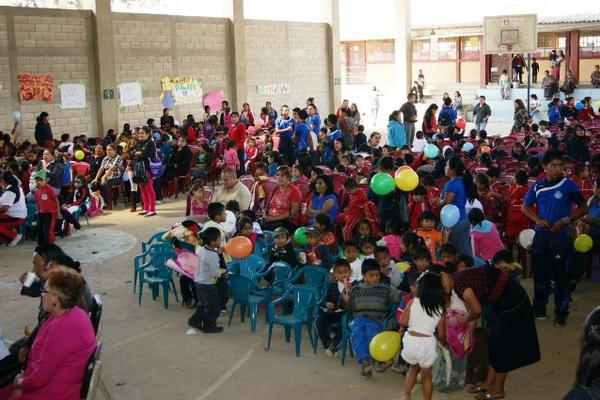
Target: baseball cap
(313, 230)
(39, 175)
(280, 231)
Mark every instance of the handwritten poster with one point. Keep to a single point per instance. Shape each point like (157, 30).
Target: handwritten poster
(130, 94)
(35, 87)
(279, 88)
(181, 90)
(72, 95)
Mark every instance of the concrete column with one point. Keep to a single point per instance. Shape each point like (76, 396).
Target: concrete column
(105, 67)
(403, 48)
(335, 73)
(240, 86)
(484, 66)
(574, 55)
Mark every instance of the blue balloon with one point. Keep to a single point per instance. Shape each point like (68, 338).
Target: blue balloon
(468, 146)
(449, 215)
(431, 151)
(156, 136)
(579, 106)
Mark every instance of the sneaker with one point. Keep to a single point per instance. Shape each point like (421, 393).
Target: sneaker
(215, 329)
(398, 368)
(143, 212)
(159, 201)
(16, 240)
(560, 320)
(331, 351)
(194, 325)
(150, 214)
(383, 366)
(224, 312)
(366, 369)
(541, 316)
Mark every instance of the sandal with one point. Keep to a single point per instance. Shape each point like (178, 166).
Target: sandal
(475, 389)
(488, 396)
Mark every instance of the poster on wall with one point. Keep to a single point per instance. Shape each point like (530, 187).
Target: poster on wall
(72, 95)
(180, 90)
(278, 88)
(35, 87)
(130, 94)
(213, 100)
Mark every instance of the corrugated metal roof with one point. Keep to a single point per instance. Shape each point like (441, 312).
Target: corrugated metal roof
(564, 19)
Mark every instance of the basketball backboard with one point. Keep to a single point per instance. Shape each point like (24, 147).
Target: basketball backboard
(510, 34)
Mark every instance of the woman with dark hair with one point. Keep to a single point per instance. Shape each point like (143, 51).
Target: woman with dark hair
(322, 200)
(521, 116)
(166, 121)
(513, 341)
(54, 169)
(577, 145)
(246, 116)
(12, 209)
(339, 150)
(372, 146)
(283, 208)
(395, 131)
(62, 346)
(430, 126)
(43, 131)
(110, 172)
(587, 378)
(457, 191)
(354, 115)
(145, 150)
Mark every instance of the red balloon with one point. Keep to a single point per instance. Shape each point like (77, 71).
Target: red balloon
(461, 123)
(239, 247)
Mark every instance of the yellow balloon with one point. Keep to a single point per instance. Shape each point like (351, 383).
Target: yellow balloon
(407, 180)
(385, 345)
(402, 266)
(583, 243)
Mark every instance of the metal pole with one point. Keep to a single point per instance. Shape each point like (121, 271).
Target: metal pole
(528, 79)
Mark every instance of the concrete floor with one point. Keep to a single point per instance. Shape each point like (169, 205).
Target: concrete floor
(147, 354)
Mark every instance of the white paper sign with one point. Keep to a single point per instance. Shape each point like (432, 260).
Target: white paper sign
(72, 95)
(130, 94)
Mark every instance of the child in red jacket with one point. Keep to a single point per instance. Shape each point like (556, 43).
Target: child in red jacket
(417, 205)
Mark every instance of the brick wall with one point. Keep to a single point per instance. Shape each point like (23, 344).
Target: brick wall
(148, 47)
(54, 42)
(287, 52)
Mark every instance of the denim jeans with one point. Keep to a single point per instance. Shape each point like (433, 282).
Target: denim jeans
(362, 331)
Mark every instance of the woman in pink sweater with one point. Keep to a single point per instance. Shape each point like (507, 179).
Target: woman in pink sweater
(485, 238)
(62, 347)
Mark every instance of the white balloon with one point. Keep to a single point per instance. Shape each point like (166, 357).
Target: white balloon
(16, 116)
(526, 238)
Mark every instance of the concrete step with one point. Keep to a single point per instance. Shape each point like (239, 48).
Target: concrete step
(492, 92)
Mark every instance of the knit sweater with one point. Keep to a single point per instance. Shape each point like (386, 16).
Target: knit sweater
(372, 301)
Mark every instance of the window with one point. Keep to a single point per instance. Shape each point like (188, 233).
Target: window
(470, 47)
(380, 51)
(589, 45)
(447, 49)
(421, 49)
(548, 41)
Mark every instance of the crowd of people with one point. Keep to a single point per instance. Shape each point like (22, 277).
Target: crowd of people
(265, 176)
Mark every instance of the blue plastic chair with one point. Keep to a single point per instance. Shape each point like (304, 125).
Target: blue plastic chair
(252, 267)
(156, 273)
(315, 276)
(282, 277)
(345, 342)
(140, 261)
(304, 312)
(260, 247)
(78, 213)
(242, 292)
(156, 238)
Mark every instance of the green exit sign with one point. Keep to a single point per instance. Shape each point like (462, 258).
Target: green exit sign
(108, 94)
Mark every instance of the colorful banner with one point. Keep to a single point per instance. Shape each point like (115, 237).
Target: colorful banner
(281, 88)
(180, 90)
(35, 87)
(72, 95)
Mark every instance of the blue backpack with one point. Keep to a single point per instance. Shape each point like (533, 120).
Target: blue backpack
(554, 114)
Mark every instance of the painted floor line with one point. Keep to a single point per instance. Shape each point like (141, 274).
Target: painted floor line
(136, 337)
(228, 374)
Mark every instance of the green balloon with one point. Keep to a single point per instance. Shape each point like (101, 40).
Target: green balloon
(300, 236)
(382, 184)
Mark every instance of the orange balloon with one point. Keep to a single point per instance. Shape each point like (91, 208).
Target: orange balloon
(402, 168)
(485, 149)
(239, 247)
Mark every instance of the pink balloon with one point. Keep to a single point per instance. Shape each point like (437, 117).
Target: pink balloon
(213, 100)
(251, 130)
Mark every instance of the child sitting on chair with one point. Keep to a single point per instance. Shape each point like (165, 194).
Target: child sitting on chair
(369, 302)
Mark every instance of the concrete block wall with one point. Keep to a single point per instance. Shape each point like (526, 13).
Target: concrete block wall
(54, 42)
(148, 47)
(287, 52)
